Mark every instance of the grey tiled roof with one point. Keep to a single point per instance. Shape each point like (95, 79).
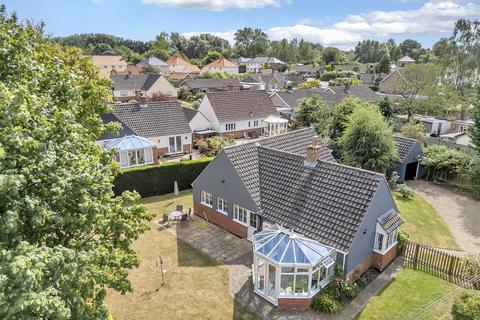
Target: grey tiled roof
(244, 157)
(134, 81)
(153, 119)
(326, 202)
(307, 69)
(390, 221)
(189, 113)
(241, 105)
(265, 60)
(152, 61)
(404, 145)
(211, 83)
(332, 95)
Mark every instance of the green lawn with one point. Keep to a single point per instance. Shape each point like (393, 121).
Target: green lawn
(423, 224)
(196, 286)
(409, 293)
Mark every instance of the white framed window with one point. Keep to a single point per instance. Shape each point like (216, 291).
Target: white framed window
(132, 158)
(124, 93)
(240, 214)
(379, 241)
(230, 126)
(175, 144)
(253, 220)
(206, 198)
(222, 205)
(255, 123)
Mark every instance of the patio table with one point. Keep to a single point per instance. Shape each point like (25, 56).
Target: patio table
(175, 215)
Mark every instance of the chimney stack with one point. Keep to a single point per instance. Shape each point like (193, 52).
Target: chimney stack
(313, 152)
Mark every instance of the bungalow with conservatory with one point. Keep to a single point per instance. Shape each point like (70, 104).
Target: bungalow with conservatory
(302, 211)
(243, 113)
(148, 131)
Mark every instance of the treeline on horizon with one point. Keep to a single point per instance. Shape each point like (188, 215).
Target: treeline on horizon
(203, 48)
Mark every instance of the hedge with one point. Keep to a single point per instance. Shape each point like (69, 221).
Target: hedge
(159, 179)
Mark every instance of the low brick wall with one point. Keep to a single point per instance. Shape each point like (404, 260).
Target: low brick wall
(289, 303)
(220, 220)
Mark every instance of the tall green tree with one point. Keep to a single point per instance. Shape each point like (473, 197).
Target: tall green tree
(65, 238)
(383, 65)
(159, 48)
(370, 51)
(341, 113)
(251, 42)
(331, 55)
(367, 142)
(312, 111)
(212, 55)
(474, 131)
(408, 47)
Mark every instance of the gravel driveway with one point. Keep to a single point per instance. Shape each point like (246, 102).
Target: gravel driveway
(460, 212)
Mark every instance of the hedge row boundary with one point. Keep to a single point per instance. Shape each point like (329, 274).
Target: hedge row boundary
(159, 179)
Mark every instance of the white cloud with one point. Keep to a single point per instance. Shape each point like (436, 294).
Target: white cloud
(227, 35)
(434, 17)
(217, 5)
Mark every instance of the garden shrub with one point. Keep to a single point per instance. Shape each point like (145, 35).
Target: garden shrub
(406, 192)
(323, 302)
(466, 307)
(402, 238)
(342, 289)
(159, 179)
(212, 146)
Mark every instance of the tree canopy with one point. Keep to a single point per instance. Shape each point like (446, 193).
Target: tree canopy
(367, 142)
(312, 111)
(65, 238)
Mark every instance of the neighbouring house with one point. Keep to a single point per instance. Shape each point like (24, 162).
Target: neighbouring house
(221, 65)
(307, 71)
(148, 132)
(459, 126)
(211, 85)
(404, 61)
(154, 64)
(435, 127)
(460, 138)
(372, 78)
(239, 113)
(287, 194)
(179, 65)
(256, 64)
(150, 86)
(108, 64)
(241, 62)
(199, 124)
(410, 153)
(287, 101)
(394, 83)
(262, 81)
(134, 70)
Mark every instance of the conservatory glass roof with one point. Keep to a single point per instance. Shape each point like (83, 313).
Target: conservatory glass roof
(129, 143)
(283, 246)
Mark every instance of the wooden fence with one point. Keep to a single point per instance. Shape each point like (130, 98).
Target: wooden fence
(441, 264)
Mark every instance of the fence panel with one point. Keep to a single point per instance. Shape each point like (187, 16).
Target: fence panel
(438, 263)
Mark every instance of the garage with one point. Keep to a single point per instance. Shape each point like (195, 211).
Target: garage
(409, 154)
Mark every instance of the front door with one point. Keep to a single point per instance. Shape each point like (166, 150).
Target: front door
(252, 225)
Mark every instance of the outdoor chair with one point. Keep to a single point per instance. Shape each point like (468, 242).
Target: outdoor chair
(165, 221)
(179, 207)
(184, 217)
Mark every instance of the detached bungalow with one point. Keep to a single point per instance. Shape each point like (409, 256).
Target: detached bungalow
(261, 81)
(256, 64)
(142, 86)
(287, 194)
(241, 113)
(179, 65)
(154, 64)
(221, 65)
(148, 131)
(210, 85)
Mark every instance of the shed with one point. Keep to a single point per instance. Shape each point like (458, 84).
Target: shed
(409, 153)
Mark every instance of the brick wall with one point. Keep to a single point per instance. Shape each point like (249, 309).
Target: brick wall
(288, 303)
(220, 219)
(187, 148)
(374, 260)
(158, 152)
(380, 261)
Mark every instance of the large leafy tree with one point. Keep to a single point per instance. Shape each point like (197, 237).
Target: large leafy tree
(408, 47)
(370, 51)
(368, 141)
(251, 42)
(312, 111)
(475, 135)
(65, 238)
(341, 113)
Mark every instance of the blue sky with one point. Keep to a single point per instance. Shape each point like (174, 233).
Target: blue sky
(340, 23)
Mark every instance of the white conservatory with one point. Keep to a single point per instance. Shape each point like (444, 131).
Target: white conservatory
(287, 265)
(132, 150)
(274, 125)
